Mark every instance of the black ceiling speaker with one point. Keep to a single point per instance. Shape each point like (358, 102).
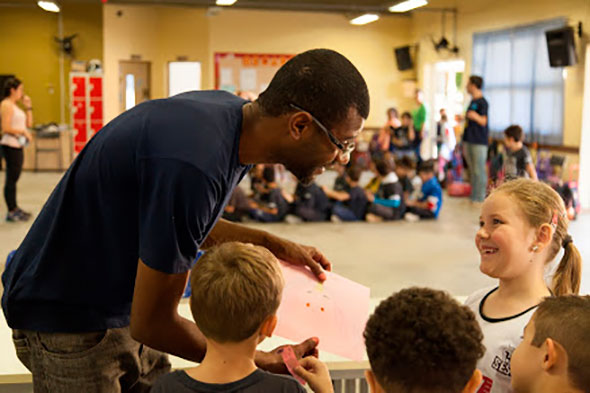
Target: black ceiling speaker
(403, 58)
(561, 47)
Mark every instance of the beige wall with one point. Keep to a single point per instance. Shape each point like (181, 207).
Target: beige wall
(157, 34)
(489, 15)
(29, 51)
(370, 47)
(160, 34)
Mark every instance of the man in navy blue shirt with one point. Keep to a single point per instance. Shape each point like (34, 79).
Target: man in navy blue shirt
(475, 139)
(93, 290)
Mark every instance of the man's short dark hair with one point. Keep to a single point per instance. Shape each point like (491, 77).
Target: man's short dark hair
(320, 81)
(565, 319)
(268, 174)
(477, 81)
(421, 340)
(383, 167)
(426, 166)
(354, 173)
(514, 132)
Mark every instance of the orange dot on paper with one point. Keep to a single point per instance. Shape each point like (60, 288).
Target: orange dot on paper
(322, 309)
(307, 304)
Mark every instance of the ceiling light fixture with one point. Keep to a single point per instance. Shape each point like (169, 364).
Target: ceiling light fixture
(364, 19)
(48, 6)
(225, 2)
(407, 5)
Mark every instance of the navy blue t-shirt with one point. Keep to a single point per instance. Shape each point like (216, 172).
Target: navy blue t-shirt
(474, 132)
(151, 185)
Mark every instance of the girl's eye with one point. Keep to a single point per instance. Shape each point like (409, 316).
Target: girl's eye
(497, 222)
(481, 224)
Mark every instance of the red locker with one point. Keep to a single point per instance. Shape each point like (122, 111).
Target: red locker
(86, 106)
(96, 87)
(96, 110)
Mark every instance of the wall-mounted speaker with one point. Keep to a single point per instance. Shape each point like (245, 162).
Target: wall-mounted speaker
(561, 47)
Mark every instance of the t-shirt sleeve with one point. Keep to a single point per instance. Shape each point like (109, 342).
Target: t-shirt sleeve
(176, 206)
(483, 108)
(528, 159)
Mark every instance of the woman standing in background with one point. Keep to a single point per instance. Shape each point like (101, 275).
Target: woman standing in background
(15, 136)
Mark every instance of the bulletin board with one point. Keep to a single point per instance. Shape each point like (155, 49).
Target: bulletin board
(246, 71)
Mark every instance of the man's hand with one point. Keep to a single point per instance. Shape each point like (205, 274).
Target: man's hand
(300, 255)
(316, 374)
(273, 361)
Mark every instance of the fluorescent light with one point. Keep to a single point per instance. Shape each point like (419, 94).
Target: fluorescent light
(225, 2)
(48, 6)
(364, 19)
(407, 5)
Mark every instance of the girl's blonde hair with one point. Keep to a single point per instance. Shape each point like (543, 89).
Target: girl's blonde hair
(540, 204)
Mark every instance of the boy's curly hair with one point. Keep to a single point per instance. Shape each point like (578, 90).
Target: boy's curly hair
(422, 340)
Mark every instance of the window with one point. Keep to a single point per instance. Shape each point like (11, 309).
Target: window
(520, 86)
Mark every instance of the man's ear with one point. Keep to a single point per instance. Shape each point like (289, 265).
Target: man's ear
(298, 123)
(374, 386)
(473, 382)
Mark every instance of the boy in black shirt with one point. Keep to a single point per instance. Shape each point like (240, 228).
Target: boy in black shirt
(388, 203)
(352, 205)
(236, 290)
(311, 203)
(518, 161)
(278, 205)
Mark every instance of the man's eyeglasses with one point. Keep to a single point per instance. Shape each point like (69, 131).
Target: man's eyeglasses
(345, 148)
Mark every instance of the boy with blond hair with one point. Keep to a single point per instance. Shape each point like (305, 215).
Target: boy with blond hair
(554, 355)
(236, 291)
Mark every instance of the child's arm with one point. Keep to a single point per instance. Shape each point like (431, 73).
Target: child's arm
(530, 168)
(316, 374)
(337, 195)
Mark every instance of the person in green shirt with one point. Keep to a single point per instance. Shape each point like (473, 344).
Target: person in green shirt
(419, 116)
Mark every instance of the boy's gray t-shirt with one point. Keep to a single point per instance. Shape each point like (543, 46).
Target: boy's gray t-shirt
(257, 382)
(516, 163)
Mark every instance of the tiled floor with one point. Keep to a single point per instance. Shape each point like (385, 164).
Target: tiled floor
(385, 257)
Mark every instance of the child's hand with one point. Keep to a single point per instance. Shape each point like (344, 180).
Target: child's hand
(316, 374)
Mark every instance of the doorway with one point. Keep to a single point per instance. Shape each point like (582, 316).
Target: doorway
(134, 83)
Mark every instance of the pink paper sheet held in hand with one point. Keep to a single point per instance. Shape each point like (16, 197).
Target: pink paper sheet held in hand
(335, 311)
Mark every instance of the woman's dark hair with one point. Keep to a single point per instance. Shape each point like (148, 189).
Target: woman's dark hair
(9, 84)
(320, 81)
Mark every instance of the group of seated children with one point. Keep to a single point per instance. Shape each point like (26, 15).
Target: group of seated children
(521, 337)
(388, 196)
(396, 137)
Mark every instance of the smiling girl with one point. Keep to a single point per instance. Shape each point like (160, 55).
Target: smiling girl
(523, 226)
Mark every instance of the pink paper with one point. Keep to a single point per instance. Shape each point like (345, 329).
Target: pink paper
(335, 311)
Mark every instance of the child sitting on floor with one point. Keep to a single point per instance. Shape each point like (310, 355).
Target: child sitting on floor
(430, 201)
(387, 203)
(311, 203)
(278, 201)
(351, 205)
